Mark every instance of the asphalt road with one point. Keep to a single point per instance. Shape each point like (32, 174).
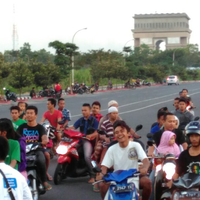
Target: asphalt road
(135, 106)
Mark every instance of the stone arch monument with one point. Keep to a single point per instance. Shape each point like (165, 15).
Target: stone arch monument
(153, 29)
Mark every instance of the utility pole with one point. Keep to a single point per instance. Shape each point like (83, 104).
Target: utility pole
(14, 35)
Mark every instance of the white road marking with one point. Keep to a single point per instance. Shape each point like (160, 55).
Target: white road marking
(142, 102)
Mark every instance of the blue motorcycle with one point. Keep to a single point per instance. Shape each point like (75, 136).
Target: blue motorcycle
(120, 187)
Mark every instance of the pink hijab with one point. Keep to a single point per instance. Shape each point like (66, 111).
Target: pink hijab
(164, 146)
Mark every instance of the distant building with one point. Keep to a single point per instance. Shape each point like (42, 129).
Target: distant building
(153, 29)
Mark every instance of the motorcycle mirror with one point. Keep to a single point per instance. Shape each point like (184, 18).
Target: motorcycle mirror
(150, 143)
(149, 135)
(196, 118)
(101, 132)
(138, 127)
(95, 167)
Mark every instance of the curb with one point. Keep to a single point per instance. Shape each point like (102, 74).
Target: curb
(38, 98)
(5, 101)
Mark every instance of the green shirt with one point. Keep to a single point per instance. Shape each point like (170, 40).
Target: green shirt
(18, 123)
(14, 152)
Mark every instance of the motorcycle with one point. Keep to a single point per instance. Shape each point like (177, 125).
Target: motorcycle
(50, 130)
(130, 85)
(186, 187)
(165, 168)
(10, 95)
(120, 187)
(71, 160)
(145, 83)
(34, 181)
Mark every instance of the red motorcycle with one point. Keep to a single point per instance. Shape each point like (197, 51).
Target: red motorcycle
(71, 162)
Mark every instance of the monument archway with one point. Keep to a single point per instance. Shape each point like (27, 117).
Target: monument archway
(153, 29)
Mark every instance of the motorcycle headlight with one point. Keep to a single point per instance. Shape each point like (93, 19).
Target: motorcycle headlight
(169, 168)
(62, 150)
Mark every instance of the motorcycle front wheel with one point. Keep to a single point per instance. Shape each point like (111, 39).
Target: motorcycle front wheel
(33, 188)
(60, 173)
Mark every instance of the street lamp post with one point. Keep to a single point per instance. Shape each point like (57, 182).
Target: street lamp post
(73, 55)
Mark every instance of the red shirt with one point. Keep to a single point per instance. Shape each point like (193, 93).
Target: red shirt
(98, 116)
(53, 118)
(57, 87)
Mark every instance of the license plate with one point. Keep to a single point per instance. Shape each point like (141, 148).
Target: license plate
(122, 189)
(189, 195)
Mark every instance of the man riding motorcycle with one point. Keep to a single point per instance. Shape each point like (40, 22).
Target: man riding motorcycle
(124, 156)
(35, 133)
(84, 123)
(189, 160)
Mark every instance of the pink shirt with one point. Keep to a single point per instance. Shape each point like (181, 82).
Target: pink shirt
(53, 118)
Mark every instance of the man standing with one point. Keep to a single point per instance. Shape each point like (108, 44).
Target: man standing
(85, 123)
(35, 133)
(65, 113)
(15, 112)
(16, 181)
(57, 87)
(53, 116)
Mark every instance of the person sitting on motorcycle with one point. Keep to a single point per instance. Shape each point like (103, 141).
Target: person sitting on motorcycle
(16, 121)
(53, 116)
(176, 104)
(57, 88)
(84, 123)
(189, 160)
(13, 158)
(124, 156)
(35, 133)
(169, 125)
(168, 145)
(65, 113)
(137, 81)
(96, 108)
(106, 117)
(32, 93)
(183, 115)
(185, 95)
(22, 105)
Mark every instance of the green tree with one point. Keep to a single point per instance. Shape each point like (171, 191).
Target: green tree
(20, 75)
(64, 52)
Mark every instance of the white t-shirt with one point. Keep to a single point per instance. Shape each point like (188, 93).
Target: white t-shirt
(124, 158)
(16, 181)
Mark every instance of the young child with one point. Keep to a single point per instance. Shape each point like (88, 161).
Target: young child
(22, 106)
(168, 145)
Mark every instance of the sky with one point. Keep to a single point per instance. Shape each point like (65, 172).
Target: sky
(108, 22)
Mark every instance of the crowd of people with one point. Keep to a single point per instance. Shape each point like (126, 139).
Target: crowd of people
(118, 149)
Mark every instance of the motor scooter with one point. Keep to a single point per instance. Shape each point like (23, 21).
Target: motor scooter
(185, 187)
(10, 95)
(123, 183)
(71, 162)
(34, 181)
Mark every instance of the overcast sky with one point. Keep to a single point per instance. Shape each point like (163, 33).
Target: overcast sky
(108, 22)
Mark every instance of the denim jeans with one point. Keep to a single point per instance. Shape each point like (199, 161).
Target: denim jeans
(88, 149)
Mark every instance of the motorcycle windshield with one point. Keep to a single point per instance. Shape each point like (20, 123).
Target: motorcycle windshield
(188, 181)
(120, 175)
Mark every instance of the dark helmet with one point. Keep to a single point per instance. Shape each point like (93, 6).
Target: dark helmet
(193, 128)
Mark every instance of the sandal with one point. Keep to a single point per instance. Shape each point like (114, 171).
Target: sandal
(47, 187)
(95, 189)
(49, 178)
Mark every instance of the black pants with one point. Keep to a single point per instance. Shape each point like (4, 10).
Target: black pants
(41, 165)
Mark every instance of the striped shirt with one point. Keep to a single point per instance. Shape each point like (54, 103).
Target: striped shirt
(108, 127)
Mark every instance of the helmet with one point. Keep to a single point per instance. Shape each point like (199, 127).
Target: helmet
(193, 128)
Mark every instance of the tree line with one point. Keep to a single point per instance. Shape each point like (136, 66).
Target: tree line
(25, 67)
